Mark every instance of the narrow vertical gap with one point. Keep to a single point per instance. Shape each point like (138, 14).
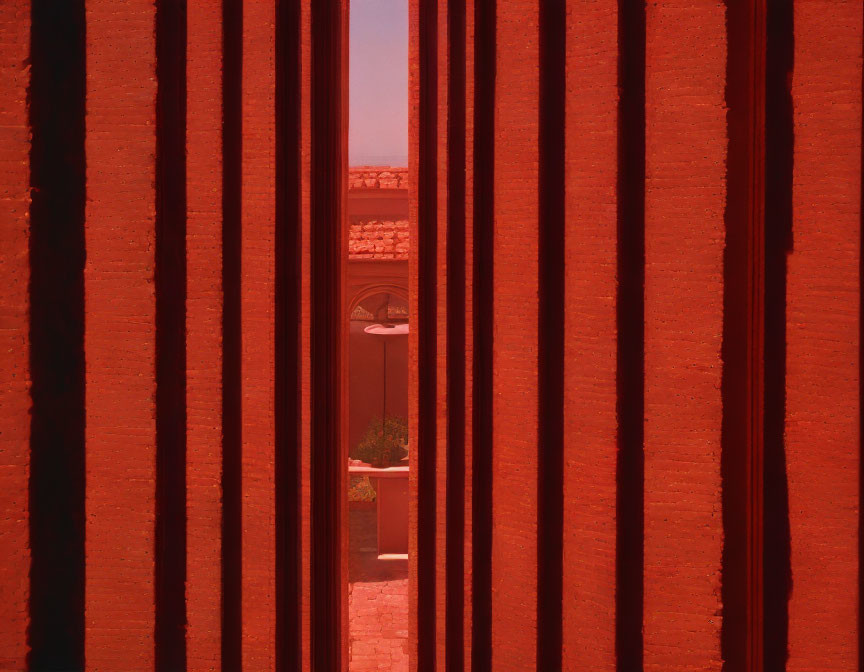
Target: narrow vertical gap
(779, 138)
(427, 217)
(232, 89)
(287, 389)
(631, 337)
(550, 330)
(741, 387)
(170, 281)
(57, 456)
(326, 320)
(483, 306)
(455, 561)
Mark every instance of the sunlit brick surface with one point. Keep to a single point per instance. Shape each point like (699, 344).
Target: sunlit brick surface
(204, 335)
(120, 335)
(377, 600)
(258, 334)
(822, 323)
(14, 369)
(590, 422)
(684, 238)
(515, 393)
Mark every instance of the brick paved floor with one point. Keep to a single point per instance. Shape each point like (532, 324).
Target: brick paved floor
(377, 601)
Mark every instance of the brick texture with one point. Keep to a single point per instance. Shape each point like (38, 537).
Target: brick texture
(822, 334)
(377, 177)
(204, 335)
(467, 539)
(442, 405)
(514, 383)
(305, 334)
(589, 324)
(120, 335)
(14, 369)
(684, 238)
(375, 239)
(258, 345)
(686, 141)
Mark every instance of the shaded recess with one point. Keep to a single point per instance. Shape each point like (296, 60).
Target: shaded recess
(483, 310)
(288, 468)
(550, 327)
(427, 221)
(631, 335)
(170, 281)
(779, 138)
(57, 177)
(455, 560)
(232, 89)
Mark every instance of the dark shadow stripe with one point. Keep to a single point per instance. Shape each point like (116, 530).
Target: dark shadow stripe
(328, 466)
(550, 336)
(482, 322)
(170, 281)
(455, 560)
(742, 349)
(779, 137)
(232, 90)
(287, 356)
(57, 455)
(631, 338)
(427, 247)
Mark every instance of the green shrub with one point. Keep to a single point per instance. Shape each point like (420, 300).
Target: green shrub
(361, 489)
(385, 443)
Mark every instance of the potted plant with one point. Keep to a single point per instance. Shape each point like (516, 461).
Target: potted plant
(385, 442)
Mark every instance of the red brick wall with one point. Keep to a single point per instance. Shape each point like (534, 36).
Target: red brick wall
(203, 335)
(683, 576)
(14, 369)
(514, 387)
(684, 203)
(686, 211)
(258, 346)
(822, 335)
(120, 335)
(590, 355)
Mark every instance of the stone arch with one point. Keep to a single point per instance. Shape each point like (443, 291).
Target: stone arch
(373, 289)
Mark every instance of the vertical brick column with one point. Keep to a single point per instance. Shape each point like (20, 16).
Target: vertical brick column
(426, 500)
(14, 326)
(441, 344)
(120, 335)
(305, 327)
(515, 357)
(822, 336)
(414, 83)
(442, 406)
(468, 405)
(684, 239)
(204, 335)
(258, 345)
(590, 424)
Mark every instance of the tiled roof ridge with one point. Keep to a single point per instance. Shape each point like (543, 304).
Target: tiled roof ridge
(374, 167)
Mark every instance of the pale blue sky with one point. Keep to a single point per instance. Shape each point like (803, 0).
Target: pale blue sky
(378, 83)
